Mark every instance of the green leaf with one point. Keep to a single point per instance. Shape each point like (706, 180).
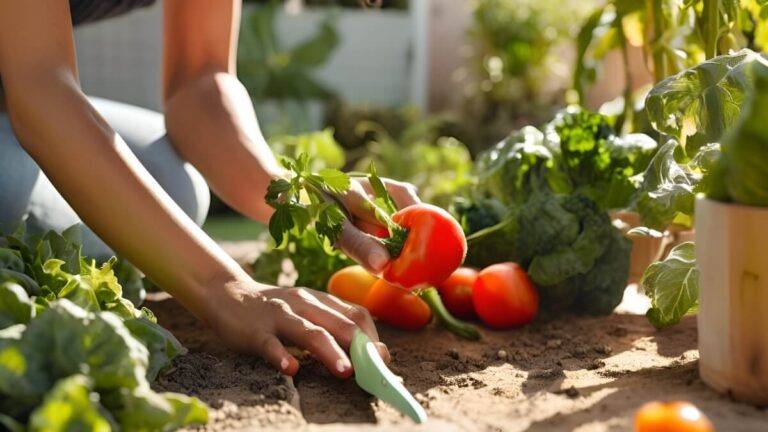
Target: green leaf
(330, 222)
(667, 194)
(11, 260)
(743, 166)
(15, 305)
(380, 192)
(673, 286)
(70, 406)
(644, 232)
(161, 344)
(275, 189)
(280, 223)
(335, 181)
(697, 105)
(145, 410)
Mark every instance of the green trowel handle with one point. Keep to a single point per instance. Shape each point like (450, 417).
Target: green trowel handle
(373, 376)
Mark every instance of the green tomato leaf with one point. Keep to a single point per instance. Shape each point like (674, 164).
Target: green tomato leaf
(335, 181)
(330, 223)
(673, 286)
(275, 189)
(280, 223)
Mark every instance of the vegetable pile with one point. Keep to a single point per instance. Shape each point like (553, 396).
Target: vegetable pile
(541, 201)
(74, 353)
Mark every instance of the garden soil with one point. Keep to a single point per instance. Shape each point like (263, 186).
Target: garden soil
(574, 373)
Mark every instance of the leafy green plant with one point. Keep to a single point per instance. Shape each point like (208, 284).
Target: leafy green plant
(674, 35)
(578, 152)
(571, 251)
(272, 71)
(516, 68)
(75, 354)
(731, 171)
(438, 166)
(673, 286)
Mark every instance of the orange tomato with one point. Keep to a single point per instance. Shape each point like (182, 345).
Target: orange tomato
(351, 284)
(398, 307)
(677, 416)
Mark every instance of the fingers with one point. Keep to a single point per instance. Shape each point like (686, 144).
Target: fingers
(359, 315)
(404, 194)
(318, 341)
(359, 204)
(272, 350)
(363, 248)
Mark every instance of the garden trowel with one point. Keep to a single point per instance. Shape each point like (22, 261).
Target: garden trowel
(373, 376)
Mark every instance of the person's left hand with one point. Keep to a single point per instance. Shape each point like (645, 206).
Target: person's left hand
(355, 240)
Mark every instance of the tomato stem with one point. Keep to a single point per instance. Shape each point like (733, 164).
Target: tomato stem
(461, 328)
(396, 240)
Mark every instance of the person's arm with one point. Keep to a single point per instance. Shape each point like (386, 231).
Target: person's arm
(212, 124)
(102, 180)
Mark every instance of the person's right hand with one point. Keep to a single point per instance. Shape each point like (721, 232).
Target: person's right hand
(255, 318)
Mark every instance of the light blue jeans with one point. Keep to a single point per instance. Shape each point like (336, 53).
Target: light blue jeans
(26, 194)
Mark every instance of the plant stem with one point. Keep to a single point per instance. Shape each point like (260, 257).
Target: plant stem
(432, 298)
(627, 124)
(657, 54)
(712, 27)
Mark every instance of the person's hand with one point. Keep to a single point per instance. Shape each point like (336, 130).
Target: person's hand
(254, 318)
(355, 240)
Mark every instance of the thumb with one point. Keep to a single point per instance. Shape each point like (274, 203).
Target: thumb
(363, 248)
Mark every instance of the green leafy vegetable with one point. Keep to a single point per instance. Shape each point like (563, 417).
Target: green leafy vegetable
(673, 286)
(70, 342)
(70, 405)
(578, 152)
(572, 252)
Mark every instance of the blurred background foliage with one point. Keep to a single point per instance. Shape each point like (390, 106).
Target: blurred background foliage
(522, 60)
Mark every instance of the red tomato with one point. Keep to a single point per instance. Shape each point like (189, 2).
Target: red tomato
(678, 416)
(351, 284)
(504, 296)
(434, 248)
(456, 292)
(398, 307)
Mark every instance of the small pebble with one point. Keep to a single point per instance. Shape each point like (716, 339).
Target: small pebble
(502, 355)
(572, 392)
(554, 343)
(603, 349)
(452, 353)
(597, 364)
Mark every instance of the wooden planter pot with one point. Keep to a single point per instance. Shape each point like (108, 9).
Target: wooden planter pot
(732, 257)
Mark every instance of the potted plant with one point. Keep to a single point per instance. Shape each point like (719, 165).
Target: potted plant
(732, 233)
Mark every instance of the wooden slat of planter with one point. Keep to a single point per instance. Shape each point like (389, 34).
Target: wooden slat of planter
(732, 256)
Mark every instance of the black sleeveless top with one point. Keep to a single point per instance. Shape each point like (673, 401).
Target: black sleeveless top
(84, 11)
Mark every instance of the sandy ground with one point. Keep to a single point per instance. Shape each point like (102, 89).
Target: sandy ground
(575, 373)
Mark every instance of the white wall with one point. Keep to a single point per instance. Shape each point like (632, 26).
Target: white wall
(121, 58)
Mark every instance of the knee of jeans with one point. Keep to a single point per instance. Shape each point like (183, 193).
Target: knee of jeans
(185, 185)
(195, 197)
